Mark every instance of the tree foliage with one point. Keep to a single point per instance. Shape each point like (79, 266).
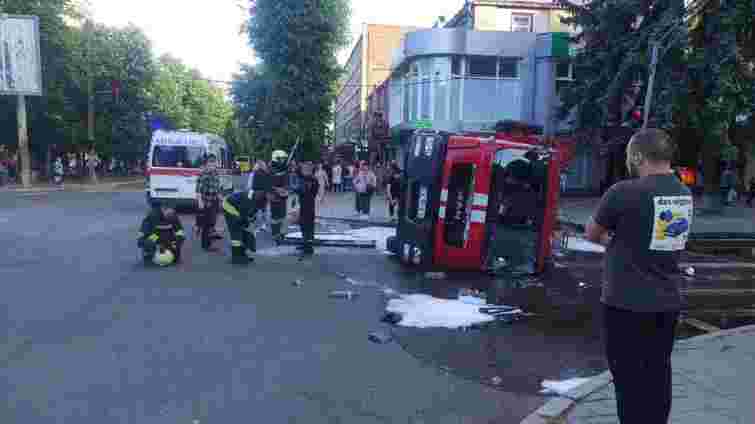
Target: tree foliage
(187, 100)
(297, 42)
(73, 54)
(701, 84)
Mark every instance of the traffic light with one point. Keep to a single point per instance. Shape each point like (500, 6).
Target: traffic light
(115, 88)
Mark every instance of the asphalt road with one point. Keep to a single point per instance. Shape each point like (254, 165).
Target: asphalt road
(89, 336)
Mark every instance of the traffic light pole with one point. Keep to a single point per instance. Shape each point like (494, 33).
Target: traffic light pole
(651, 81)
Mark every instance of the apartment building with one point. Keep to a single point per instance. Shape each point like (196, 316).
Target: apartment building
(368, 66)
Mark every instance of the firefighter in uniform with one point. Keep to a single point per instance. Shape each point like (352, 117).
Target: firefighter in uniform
(307, 191)
(161, 231)
(239, 210)
(208, 194)
(279, 193)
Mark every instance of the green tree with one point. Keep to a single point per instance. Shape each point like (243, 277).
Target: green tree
(44, 113)
(297, 41)
(699, 91)
(188, 100)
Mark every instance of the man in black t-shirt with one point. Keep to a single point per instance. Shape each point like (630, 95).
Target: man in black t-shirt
(650, 219)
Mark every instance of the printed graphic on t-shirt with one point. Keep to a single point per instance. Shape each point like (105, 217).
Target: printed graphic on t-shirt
(672, 221)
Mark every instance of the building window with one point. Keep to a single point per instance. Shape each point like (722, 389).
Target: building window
(456, 69)
(564, 71)
(521, 22)
(508, 69)
(483, 66)
(564, 75)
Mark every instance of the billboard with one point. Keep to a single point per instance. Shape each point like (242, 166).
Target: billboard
(20, 62)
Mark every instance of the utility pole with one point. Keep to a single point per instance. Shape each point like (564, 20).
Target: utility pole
(651, 80)
(23, 142)
(90, 84)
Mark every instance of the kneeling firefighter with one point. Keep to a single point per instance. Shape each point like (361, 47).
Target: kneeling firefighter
(161, 236)
(240, 210)
(279, 194)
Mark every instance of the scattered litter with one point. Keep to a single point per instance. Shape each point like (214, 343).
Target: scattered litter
(582, 245)
(353, 282)
(582, 284)
(561, 387)
(435, 275)
(690, 271)
(341, 275)
(194, 421)
(496, 380)
(298, 283)
(389, 292)
(472, 300)
(343, 294)
(424, 311)
(391, 318)
(379, 337)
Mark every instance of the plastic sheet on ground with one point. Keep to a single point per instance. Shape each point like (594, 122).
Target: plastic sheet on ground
(561, 387)
(379, 235)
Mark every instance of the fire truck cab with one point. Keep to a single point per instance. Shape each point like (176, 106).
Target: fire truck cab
(484, 202)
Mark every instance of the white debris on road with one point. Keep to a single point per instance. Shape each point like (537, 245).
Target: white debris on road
(561, 387)
(379, 234)
(582, 245)
(424, 311)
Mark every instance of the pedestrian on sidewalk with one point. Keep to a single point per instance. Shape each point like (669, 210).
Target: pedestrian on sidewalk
(728, 185)
(752, 192)
(322, 180)
(337, 178)
(348, 178)
(58, 170)
(393, 191)
(644, 222)
(3, 172)
(92, 165)
(365, 184)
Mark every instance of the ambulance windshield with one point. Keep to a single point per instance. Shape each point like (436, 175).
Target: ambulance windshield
(178, 156)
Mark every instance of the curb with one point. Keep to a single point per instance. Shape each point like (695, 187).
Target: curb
(556, 410)
(72, 187)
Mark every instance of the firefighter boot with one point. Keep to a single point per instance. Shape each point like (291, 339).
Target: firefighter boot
(238, 256)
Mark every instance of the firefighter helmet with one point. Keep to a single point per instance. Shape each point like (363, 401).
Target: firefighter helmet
(279, 156)
(164, 257)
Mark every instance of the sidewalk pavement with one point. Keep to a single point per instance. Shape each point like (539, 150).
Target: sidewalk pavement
(104, 183)
(342, 206)
(713, 382)
(735, 219)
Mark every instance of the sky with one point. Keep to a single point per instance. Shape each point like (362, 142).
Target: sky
(206, 35)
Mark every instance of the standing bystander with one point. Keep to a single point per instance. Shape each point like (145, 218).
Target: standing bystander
(751, 194)
(365, 183)
(337, 175)
(208, 195)
(393, 191)
(645, 223)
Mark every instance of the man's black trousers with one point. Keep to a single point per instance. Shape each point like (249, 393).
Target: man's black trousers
(638, 349)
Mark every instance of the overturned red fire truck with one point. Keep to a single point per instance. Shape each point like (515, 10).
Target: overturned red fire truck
(483, 202)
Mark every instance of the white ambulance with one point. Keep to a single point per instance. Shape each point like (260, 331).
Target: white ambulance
(174, 162)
